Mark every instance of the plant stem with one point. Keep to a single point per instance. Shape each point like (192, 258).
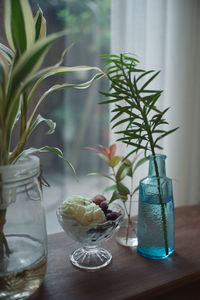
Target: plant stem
(162, 206)
(129, 212)
(129, 220)
(128, 228)
(4, 249)
(150, 138)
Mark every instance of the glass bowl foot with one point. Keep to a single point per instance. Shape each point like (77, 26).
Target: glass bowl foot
(90, 258)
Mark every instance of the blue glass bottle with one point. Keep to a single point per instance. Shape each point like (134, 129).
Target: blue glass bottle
(156, 212)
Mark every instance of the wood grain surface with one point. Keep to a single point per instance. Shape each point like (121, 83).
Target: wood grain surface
(129, 276)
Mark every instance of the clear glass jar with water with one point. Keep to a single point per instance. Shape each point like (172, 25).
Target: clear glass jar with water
(23, 238)
(156, 212)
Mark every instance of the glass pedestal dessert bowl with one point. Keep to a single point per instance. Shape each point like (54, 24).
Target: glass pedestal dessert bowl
(90, 256)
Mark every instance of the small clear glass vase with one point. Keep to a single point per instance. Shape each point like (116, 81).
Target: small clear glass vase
(127, 233)
(23, 238)
(156, 212)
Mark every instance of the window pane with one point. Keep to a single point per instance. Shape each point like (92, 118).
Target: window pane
(81, 121)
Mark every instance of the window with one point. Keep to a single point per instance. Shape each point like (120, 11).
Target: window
(81, 121)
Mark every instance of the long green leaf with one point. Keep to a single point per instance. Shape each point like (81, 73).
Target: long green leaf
(121, 122)
(111, 188)
(165, 134)
(135, 190)
(56, 70)
(54, 150)
(102, 175)
(133, 144)
(13, 117)
(28, 64)
(143, 74)
(7, 53)
(123, 190)
(41, 75)
(116, 196)
(31, 151)
(114, 160)
(152, 106)
(39, 120)
(4, 70)
(40, 25)
(148, 82)
(123, 171)
(31, 60)
(19, 24)
(63, 86)
(139, 163)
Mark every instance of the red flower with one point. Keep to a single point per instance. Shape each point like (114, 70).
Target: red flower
(108, 154)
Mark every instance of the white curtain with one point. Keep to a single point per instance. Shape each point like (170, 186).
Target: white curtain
(165, 35)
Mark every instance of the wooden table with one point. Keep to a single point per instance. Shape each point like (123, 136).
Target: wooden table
(129, 276)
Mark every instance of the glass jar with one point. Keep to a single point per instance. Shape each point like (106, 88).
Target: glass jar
(23, 237)
(127, 233)
(156, 212)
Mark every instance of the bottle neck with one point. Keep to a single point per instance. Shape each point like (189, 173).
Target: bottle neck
(157, 162)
